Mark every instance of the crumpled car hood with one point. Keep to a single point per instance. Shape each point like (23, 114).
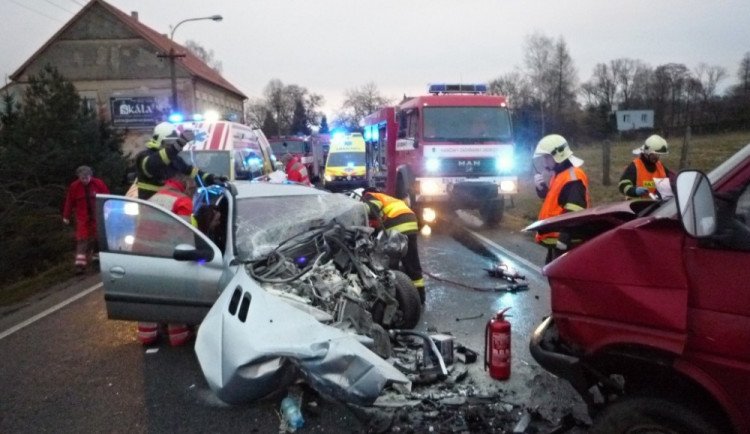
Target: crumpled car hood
(251, 343)
(592, 221)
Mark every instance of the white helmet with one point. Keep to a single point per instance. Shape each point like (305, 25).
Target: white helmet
(556, 146)
(655, 144)
(165, 131)
(357, 193)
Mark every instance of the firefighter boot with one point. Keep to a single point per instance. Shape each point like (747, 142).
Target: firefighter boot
(422, 295)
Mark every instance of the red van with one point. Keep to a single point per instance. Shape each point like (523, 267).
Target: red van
(651, 314)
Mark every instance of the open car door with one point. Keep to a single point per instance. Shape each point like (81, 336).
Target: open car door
(155, 266)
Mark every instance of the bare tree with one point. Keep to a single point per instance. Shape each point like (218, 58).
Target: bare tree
(281, 100)
(204, 54)
(564, 76)
(255, 112)
(743, 74)
(537, 59)
(360, 102)
(601, 89)
(515, 87)
(709, 77)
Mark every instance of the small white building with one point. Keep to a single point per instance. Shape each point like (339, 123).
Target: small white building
(628, 120)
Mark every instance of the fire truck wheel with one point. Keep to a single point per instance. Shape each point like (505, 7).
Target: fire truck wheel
(492, 211)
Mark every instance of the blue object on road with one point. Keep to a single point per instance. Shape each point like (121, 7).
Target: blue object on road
(291, 412)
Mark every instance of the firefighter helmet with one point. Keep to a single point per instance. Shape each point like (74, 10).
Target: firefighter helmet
(165, 131)
(357, 193)
(654, 144)
(557, 147)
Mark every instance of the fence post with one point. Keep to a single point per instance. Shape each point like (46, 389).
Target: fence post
(685, 148)
(605, 163)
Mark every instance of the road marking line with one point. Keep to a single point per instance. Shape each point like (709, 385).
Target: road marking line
(505, 251)
(51, 310)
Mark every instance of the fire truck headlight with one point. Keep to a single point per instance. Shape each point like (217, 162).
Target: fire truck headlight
(433, 164)
(428, 215)
(429, 187)
(508, 186)
(504, 163)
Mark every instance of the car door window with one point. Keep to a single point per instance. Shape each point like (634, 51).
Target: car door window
(137, 228)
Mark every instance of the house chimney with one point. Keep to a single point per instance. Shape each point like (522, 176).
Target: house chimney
(134, 14)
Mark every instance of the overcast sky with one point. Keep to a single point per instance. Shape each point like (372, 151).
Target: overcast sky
(329, 46)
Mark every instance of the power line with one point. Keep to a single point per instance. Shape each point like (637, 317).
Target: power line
(36, 11)
(79, 4)
(59, 7)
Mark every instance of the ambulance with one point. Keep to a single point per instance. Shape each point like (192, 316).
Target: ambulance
(346, 165)
(236, 151)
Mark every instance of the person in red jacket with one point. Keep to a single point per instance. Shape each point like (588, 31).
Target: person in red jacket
(295, 171)
(177, 196)
(80, 203)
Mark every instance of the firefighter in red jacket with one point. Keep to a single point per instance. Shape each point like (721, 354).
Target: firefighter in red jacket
(639, 178)
(295, 171)
(177, 196)
(566, 191)
(81, 201)
(395, 215)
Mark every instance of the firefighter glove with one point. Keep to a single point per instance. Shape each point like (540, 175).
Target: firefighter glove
(561, 246)
(640, 191)
(187, 136)
(539, 181)
(66, 221)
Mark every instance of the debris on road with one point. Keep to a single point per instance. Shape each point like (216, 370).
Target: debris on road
(477, 316)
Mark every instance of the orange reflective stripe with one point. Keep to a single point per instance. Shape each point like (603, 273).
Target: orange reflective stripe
(644, 178)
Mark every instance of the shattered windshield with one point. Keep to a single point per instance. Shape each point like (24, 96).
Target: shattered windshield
(263, 223)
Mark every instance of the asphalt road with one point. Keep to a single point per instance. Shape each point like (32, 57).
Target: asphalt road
(72, 370)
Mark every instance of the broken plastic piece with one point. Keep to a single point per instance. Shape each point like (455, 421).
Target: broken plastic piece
(503, 271)
(292, 414)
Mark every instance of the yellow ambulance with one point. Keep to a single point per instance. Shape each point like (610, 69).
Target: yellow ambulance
(346, 165)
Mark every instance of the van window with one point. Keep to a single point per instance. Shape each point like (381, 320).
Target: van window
(342, 159)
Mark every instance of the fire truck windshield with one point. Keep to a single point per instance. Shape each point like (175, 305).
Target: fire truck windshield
(466, 124)
(292, 147)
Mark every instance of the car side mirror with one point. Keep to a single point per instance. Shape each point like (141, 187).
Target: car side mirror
(695, 203)
(186, 252)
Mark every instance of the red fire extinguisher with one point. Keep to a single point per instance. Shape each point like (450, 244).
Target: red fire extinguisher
(497, 346)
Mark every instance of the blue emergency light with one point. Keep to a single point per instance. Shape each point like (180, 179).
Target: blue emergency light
(457, 88)
(197, 117)
(176, 118)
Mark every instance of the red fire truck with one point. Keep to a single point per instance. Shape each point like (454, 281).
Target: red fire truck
(452, 149)
(301, 148)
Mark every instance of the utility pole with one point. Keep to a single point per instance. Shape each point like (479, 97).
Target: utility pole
(172, 55)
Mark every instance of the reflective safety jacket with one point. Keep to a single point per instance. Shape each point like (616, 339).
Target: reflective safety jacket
(552, 205)
(394, 213)
(155, 164)
(156, 235)
(640, 173)
(173, 197)
(297, 172)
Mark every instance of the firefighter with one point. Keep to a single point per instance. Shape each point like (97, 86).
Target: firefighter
(295, 171)
(176, 195)
(160, 161)
(80, 200)
(567, 189)
(638, 179)
(395, 215)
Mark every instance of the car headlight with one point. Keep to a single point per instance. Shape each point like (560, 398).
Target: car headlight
(508, 186)
(433, 164)
(328, 177)
(504, 163)
(429, 187)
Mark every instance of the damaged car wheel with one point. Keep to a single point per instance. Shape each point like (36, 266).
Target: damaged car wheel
(410, 307)
(652, 415)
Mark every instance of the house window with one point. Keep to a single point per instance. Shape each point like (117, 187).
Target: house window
(626, 118)
(643, 117)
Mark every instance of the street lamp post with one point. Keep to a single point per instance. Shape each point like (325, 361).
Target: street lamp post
(172, 55)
